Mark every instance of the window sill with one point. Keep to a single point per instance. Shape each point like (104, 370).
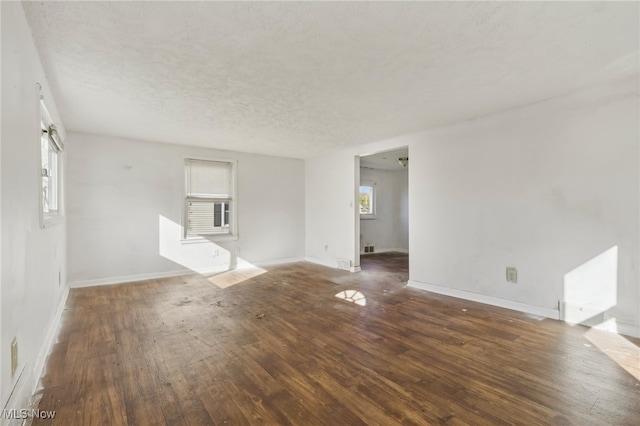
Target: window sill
(48, 221)
(367, 216)
(208, 239)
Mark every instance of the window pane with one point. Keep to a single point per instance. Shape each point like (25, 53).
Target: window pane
(366, 200)
(53, 180)
(217, 215)
(209, 192)
(45, 171)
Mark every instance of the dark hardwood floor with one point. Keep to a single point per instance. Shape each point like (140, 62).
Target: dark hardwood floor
(280, 348)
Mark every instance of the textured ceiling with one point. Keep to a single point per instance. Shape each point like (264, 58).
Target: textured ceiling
(299, 79)
(385, 160)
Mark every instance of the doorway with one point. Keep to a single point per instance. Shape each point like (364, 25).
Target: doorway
(382, 213)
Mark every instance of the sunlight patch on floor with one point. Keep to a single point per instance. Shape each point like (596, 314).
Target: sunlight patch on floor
(353, 296)
(619, 349)
(235, 276)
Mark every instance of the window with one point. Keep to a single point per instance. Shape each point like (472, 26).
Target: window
(51, 147)
(210, 198)
(367, 202)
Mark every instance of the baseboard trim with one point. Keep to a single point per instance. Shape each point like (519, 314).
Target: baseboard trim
(488, 300)
(397, 250)
(283, 261)
(29, 379)
(628, 330)
(324, 262)
(331, 264)
(158, 275)
(616, 327)
(128, 278)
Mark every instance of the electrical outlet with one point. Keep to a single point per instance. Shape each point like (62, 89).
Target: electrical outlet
(14, 356)
(512, 275)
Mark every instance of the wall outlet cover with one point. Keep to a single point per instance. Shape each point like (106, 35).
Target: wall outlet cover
(14, 356)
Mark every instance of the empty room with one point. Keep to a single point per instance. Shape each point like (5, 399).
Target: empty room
(322, 213)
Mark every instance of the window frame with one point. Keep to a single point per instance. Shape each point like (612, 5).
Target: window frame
(374, 198)
(55, 162)
(233, 203)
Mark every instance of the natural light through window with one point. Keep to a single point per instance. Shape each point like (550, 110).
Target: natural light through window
(590, 293)
(353, 296)
(210, 198)
(591, 289)
(367, 201)
(620, 350)
(236, 276)
(221, 265)
(51, 147)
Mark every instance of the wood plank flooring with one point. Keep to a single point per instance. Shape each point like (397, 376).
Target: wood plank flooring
(278, 347)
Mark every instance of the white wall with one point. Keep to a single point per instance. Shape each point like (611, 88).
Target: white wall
(31, 293)
(125, 203)
(544, 188)
(390, 228)
(330, 209)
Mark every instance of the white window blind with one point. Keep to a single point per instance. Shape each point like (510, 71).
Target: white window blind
(209, 200)
(209, 179)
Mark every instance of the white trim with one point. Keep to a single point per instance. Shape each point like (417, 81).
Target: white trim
(18, 399)
(628, 330)
(282, 261)
(129, 278)
(29, 379)
(333, 264)
(477, 297)
(405, 251)
(324, 262)
(158, 275)
(50, 338)
(209, 239)
(49, 219)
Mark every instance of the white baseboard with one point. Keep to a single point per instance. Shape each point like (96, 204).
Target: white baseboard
(157, 275)
(477, 297)
(274, 262)
(618, 328)
(405, 251)
(29, 379)
(610, 323)
(628, 330)
(128, 278)
(333, 264)
(324, 262)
